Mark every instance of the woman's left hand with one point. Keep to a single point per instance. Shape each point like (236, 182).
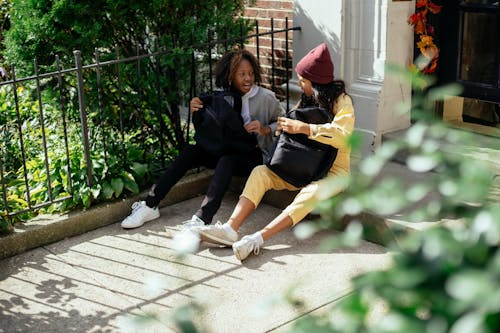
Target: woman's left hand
(256, 127)
(293, 126)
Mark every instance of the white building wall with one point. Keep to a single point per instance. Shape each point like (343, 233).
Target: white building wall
(363, 36)
(321, 21)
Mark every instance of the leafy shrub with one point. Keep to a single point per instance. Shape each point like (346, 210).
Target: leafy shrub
(133, 108)
(108, 172)
(43, 29)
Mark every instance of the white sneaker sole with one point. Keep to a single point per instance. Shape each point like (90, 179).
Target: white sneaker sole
(125, 226)
(131, 226)
(214, 239)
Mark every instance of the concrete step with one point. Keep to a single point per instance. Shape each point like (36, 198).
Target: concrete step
(46, 229)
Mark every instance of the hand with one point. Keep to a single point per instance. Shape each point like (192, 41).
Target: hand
(292, 126)
(256, 127)
(195, 104)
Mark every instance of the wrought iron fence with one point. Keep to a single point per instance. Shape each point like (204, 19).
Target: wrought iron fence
(92, 104)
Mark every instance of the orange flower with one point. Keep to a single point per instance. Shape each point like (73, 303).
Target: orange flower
(431, 68)
(427, 47)
(414, 18)
(418, 20)
(420, 28)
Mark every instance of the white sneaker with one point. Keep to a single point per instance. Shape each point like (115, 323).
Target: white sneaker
(141, 214)
(194, 222)
(245, 246)
(217, 234)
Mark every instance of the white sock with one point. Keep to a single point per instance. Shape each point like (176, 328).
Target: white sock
(227, 228)
(258, 237)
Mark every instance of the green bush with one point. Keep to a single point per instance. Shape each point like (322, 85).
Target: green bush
(43, 29)
(133, 117)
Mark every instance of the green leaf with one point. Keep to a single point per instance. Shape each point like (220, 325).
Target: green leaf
(422, 163)
(397, 323)
(470, 322)
(470, 286)
(130, 184)
(117, 185)
(86, 196)
(107, 191)
(139, 169)
(96, 190)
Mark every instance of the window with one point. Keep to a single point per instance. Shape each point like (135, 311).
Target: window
(468, 34)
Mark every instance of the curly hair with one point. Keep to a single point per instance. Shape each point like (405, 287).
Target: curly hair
(228, 63)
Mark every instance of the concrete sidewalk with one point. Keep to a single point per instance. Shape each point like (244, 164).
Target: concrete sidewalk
(110, 279)
(87, 274)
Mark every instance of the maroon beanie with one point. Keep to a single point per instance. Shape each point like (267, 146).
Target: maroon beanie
(316, 66)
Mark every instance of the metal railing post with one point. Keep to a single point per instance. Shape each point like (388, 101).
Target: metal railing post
(62, 105)
(242, 39)
(272, 56)
(257, 41)
(210, 70)
(20, 131)
(120, 107)
(192, 85)
(287, 67)
(100, 104)
(83, 116)
(42, 129)
(4, 190)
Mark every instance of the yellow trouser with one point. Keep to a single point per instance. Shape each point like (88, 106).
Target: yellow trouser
(262, 179)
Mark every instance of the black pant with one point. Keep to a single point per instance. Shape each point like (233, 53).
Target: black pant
(225, 166)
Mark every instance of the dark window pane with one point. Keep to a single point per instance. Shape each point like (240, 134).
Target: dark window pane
(479, 45)
(481, 112)
(482, 2)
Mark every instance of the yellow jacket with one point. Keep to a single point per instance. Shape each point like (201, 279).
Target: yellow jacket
(337, 134)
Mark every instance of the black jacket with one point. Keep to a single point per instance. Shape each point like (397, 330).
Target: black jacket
(219, 127)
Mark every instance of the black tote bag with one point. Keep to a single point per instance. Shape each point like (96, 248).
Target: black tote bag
(298, 159)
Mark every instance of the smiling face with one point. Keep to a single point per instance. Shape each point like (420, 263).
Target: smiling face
(305, 85)
(244, 77)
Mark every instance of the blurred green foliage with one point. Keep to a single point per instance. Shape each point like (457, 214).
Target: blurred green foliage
(445, 278)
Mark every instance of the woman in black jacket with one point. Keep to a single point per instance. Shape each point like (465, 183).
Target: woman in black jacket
(238, 73)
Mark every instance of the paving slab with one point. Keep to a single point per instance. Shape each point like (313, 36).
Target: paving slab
(116, 280)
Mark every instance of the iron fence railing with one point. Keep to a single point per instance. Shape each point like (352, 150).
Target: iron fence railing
(74, 98)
